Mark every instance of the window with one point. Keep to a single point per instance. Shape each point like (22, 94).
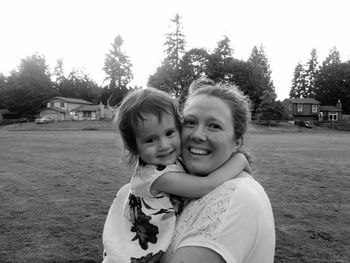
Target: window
(314, 108)
(86, 114)
(320, 117)
(52, 104)
(333, 116)
(300, 107)
(62, 104)
(290, 107)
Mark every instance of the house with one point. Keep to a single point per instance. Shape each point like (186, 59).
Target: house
(2, 113)
(301, 109)
(331, 113)
(88, 112)
(62, 108)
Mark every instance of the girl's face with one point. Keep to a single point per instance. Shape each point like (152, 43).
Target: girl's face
(158, 141)
(207, 134)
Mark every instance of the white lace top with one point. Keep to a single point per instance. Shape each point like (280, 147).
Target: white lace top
(235, 220)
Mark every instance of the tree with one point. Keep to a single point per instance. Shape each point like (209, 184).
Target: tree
(193, 65)
(260, 75)
(298, 88)
(58, 74)
(169, 77)
(3, 86)
(29, 87)
(219, 61)
(270, 109)
(117, 67)
(175, 42)
(333, 81)
(79, 85)
(333, 58)
(311, 75)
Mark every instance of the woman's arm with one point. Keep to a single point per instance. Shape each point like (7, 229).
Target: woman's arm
(196, 255)
(191, 186)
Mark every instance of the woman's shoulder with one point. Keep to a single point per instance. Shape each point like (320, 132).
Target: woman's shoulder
(240, 193)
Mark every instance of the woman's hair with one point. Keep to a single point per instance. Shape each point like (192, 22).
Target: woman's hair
(131, 110)
(238, 103)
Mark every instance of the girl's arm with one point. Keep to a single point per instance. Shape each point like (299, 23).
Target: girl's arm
(191, 186)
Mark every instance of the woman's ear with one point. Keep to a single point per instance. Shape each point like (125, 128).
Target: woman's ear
(238, 143)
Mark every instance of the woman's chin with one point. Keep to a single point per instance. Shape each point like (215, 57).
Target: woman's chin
(198, 169)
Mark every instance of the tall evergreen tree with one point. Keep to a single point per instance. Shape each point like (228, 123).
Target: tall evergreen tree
(117, 67)
(219, 61)
(169, 76)
(298, 88)
(175, 42)
(333, 81)
(261, 74)
(333, 58)
(58, 75)
(3, 87)
(311, 75)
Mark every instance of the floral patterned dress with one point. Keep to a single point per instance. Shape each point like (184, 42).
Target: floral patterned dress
(140, 225)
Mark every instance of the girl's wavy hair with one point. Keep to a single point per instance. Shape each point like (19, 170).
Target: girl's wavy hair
(238, 103)
(131, 111)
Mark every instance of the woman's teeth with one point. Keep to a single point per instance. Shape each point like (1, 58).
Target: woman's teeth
(198, 151)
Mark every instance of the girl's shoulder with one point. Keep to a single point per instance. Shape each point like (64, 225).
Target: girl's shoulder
(145, 175)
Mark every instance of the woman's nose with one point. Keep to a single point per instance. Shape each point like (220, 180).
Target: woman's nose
(198, 134)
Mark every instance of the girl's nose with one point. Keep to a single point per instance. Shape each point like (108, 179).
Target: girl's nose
(163, 144)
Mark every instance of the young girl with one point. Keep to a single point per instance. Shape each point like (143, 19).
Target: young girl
(141, 229)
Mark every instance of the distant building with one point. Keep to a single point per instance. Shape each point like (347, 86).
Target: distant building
(331, 113)
(301, 109)
(62, 108)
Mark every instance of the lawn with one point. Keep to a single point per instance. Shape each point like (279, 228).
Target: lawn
(56, 187)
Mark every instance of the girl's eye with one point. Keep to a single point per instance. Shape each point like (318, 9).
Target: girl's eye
(150, 140)
(170, 133)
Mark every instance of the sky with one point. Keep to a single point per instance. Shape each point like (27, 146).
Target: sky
(81, 32)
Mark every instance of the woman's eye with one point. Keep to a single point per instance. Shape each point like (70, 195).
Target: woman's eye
(188, 123)
(215, 126)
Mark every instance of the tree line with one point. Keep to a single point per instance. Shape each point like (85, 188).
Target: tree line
(326, 82)
(27, 89)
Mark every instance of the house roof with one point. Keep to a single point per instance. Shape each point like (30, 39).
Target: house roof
(72, 100)
(303, 100)
(329, 108)
(4, 111)
(88, 108)
(54, 109)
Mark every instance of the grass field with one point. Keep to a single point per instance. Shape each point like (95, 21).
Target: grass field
(56, 188)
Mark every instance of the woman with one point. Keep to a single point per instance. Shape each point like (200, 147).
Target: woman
(233, 223)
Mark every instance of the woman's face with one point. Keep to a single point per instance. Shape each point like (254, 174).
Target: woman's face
(207, 134)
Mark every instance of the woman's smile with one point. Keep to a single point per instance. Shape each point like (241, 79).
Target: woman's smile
(198, 151)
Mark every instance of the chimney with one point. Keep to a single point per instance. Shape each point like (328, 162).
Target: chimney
(339, 105)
